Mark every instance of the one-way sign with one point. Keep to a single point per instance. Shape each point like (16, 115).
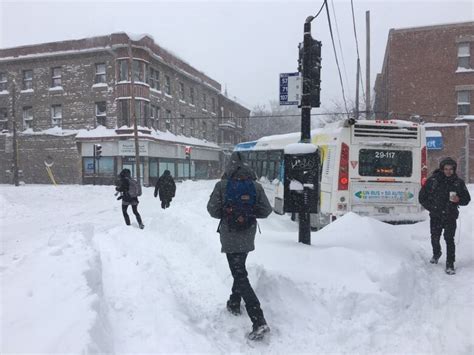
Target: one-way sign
(290, 88)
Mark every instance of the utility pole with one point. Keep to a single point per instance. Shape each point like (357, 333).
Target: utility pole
(310, 98)
(367, 66)
(134, 116)
(15, 138)
(357, 91)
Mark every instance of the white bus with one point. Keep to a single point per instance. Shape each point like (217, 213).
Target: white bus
(373, 168)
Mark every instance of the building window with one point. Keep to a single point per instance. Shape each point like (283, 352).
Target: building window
(191, 127)
(100, 73)
(204, 101)
(3, 118)
(182, 124)
(167, 85)
(181, 91)
(139, 71)
(154, 79)
(204, 130)
(464, 55)
(168, 120)
(191, 95)
(27, 79)
(56, 115)
(152, 116)
(213, 104)
(55, 77)
(3, 82)
(27, 117)
(101, 113)
(123, 70)
(125, 112)
(464, 103)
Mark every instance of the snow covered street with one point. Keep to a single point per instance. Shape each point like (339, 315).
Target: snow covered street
(76, 279)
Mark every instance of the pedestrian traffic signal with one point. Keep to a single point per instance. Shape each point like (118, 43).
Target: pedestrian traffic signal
(187, 152)
(97, 150)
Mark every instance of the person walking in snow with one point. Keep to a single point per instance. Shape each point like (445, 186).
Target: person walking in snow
(441, 195)
(238, 200)
(130, 190)
(166, 188)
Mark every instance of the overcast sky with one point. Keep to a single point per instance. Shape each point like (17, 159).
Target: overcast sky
(241, 44)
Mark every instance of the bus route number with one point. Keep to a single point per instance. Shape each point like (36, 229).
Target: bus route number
(384, 155)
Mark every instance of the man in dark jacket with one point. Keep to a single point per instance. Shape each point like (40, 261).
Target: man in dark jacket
(442, 195)
(130, 190)
(166, 188)
(237, 243)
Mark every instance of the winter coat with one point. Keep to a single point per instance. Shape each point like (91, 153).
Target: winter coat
(237, 241)
(434, 195)
(165, 187)
(123, 187)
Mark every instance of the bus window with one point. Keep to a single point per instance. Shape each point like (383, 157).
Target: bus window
(385, 162)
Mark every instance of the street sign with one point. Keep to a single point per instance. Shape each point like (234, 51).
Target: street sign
(290, 88)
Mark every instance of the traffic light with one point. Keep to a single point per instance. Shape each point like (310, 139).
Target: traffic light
(312, 75)
(187, 152)
(98, 150)
(315, 72)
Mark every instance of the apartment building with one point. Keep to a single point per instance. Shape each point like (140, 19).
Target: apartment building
(64, 97)
(428, 75)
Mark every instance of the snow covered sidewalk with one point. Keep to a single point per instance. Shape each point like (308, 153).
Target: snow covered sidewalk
(75, 279)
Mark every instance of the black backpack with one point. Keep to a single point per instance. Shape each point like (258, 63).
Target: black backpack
(239, 203)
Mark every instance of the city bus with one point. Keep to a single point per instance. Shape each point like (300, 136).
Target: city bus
(370, 167)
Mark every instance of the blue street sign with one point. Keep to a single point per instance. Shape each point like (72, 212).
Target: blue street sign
(290, 91)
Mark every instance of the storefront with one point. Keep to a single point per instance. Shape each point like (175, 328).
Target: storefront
(155, 157)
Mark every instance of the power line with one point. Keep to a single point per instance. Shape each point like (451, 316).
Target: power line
(320, 9)
(337, 61)
(339, 41)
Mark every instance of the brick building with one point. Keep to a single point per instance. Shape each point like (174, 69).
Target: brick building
(428, 74)
(64, 97)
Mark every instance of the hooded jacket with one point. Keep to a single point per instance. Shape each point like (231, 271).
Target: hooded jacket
(237, 241)
(165, 186)
(434, 195)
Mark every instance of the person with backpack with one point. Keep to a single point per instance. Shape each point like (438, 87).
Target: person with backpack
(238, 200)
(166, 188)
(441, 195)
(130, 189)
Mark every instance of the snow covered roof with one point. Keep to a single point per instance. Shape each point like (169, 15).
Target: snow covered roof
(102, 132)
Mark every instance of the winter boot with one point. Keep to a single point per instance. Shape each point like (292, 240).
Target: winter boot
(450, 270)
(141, 225)
(233, 308)
(258, 331)
(434, 259)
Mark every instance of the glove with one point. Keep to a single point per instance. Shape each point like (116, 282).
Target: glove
(119, 198)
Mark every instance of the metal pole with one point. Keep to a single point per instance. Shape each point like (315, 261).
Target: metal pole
(304, 232)
(93, 148)
(134, 116)
(15, 138)
(368, 106)
(357, 90)
(189, 166)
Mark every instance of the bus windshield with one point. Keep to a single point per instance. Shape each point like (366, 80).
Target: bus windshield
(385, 162)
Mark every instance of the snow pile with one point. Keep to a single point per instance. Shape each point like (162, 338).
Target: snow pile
(76, 279)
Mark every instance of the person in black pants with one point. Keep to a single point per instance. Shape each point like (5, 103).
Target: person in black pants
(166, 188)
(238, 241)
(130, 190)
(441, 195)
